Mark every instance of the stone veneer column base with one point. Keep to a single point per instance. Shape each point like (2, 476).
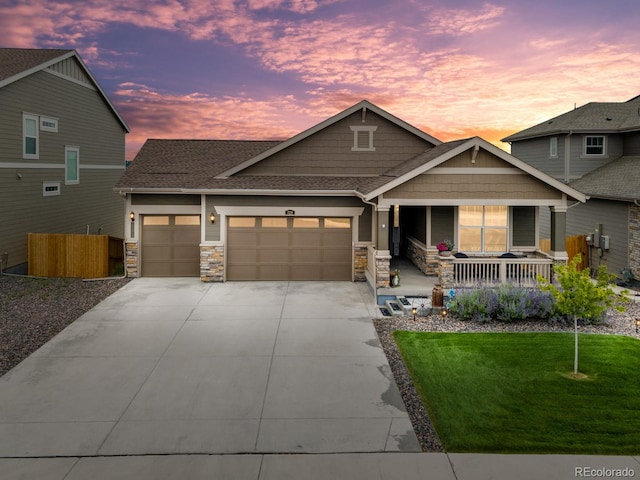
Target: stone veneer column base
(445, 272)
(212, 263)
(360, 262)
(131, 260)
(383, 265)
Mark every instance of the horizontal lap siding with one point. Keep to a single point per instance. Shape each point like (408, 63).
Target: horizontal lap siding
(85, 121)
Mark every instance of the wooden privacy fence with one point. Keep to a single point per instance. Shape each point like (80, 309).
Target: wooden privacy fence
(575, 245)
(70, 255)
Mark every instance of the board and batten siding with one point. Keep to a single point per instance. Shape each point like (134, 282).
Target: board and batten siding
(85, 121)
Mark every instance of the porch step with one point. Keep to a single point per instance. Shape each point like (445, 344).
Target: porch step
(404, 304)
(394, 308)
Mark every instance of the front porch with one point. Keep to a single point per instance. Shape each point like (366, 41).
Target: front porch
(453, 272)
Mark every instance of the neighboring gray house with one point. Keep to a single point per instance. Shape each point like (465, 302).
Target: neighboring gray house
(335, 202)
(61, 150)
(596, 150)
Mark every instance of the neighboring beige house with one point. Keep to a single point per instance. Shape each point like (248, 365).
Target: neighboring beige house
(61, 150)
(335, 202)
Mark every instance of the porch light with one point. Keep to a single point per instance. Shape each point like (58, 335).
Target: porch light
(132, 216)
(212, 217)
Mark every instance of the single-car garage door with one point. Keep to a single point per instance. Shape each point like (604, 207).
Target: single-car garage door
(289, 248)
(170, 246)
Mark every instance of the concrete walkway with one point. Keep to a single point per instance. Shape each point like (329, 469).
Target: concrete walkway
(173, 378)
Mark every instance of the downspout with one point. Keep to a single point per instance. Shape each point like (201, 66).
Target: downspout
(567, 157)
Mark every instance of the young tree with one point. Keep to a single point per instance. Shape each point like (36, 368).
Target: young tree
(578, 297)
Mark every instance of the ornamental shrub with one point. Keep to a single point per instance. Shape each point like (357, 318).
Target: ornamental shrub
(505, 303)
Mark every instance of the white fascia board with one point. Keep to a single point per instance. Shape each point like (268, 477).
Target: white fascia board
(386, 203)
(53, 61)
(489, 147)
(31, 71)
(201, 191)
(324, 124)
(280, 211)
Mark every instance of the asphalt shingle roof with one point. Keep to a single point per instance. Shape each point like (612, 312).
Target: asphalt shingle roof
(17, 60)
(195, 164)
(593, 117)
(616, 180)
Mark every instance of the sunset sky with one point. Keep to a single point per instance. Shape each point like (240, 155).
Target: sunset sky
(268, 69)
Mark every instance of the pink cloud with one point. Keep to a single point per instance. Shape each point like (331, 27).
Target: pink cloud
(446, 21)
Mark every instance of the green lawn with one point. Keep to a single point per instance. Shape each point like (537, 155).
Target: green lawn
(509, 393)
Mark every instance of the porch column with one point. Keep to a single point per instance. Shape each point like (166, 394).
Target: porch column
(382, 257)
(382, 237)
(558, 232)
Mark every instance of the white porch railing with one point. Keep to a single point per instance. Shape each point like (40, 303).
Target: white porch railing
(520, 271)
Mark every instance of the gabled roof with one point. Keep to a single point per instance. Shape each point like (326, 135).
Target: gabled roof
(446, 151)
(616, 180)
(182, 166)
(18, 63)
(594, 117)
(364, 105)
(187, 163)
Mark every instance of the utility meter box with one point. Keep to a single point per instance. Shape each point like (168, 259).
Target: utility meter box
(604, 242)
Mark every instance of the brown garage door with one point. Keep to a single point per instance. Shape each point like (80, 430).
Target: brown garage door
(170, 246)
(289, 248)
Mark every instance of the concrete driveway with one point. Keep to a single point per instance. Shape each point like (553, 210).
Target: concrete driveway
(176, 366)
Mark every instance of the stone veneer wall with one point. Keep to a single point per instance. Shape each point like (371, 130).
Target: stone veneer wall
(212, 263)
(360, 263)
(424, 258)
(445, 272)
(131, 260)
(634, 240)
(383, 263)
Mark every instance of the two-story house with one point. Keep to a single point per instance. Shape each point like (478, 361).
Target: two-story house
(595, 149)
(61, 150)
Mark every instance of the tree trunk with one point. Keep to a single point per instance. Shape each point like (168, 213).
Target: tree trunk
(575, 359)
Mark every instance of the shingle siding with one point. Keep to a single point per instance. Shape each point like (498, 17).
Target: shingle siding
(329, 151)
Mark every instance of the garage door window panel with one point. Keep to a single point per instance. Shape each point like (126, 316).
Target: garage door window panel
(343, 223)
(242, 222)
(158, 220)
(301, 222)
(275, 222)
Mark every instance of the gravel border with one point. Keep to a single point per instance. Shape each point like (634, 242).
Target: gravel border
(34, 310)
(615, 323)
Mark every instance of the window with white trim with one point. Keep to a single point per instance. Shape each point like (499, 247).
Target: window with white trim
(553, 147)
(483, 229)
(30, 140)
(71, 165)
(595, 145)
(48, 124)
(363, 138)
(50, 189)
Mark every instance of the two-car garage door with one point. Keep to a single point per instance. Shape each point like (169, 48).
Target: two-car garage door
(289, 248)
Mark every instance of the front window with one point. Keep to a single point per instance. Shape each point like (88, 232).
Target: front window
(553, 147)
(594, 145)
(30, 147)
(72, 165)
(483, 229)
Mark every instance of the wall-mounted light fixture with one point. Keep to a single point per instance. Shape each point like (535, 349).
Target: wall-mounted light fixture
(132, 216)
(212, 217)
